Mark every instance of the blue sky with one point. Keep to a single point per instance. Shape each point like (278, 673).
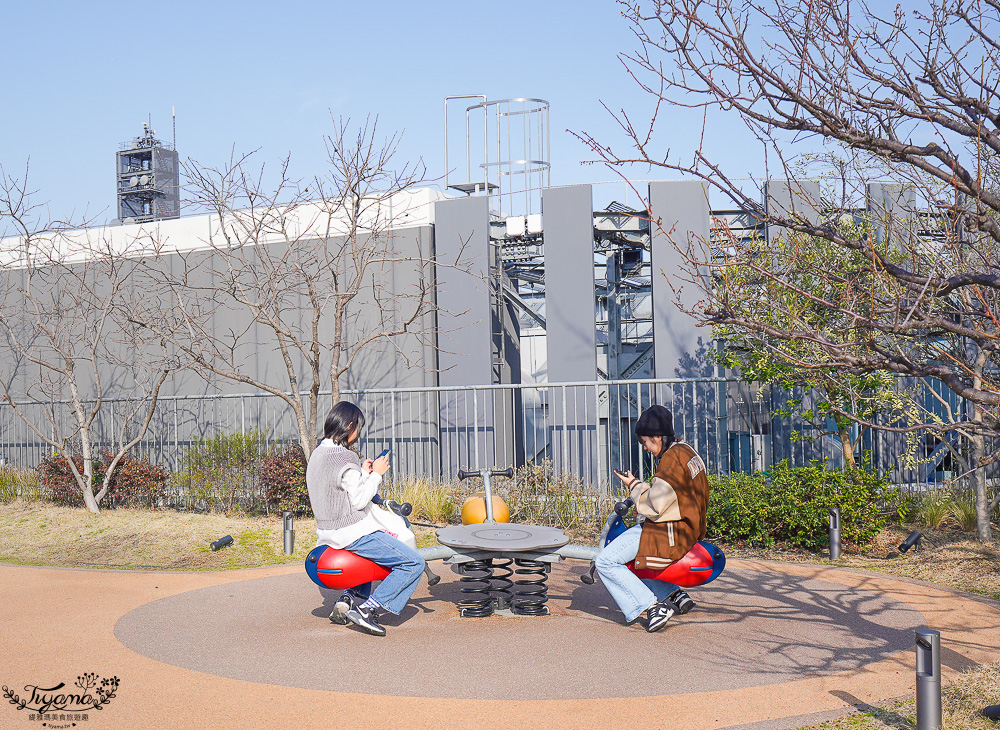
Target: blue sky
(82, 77)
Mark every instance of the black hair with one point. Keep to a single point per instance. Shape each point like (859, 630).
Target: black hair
(340, 424)
(656, 420)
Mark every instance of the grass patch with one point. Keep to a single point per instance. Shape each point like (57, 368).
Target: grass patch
(957, 560)
(39, 533)
(961, 702)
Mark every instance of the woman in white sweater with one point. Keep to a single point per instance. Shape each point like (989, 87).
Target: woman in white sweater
(341, 488)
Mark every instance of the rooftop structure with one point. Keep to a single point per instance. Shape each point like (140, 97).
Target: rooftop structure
(148, 180)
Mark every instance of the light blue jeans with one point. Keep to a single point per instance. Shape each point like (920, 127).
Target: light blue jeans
(405, 564)
(632, 593)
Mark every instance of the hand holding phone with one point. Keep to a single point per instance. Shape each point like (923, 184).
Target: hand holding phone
(381, 463)
(626, 477)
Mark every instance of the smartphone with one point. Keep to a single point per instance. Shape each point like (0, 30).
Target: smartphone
(382, 454)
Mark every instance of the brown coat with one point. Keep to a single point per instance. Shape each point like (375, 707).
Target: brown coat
(675, 506)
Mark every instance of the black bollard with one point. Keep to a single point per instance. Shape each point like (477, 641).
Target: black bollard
(834, 530)
(289, 534)
(222, 542)
(928, 679)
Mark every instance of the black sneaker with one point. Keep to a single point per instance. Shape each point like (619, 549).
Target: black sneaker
(682, 601)
(658, 615)
(366, 618)
(344, 604)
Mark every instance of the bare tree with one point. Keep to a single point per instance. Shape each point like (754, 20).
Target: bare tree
(317, 273)
(915, 92)
(69, 348)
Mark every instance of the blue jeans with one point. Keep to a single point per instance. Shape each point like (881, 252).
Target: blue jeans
(632, 593)
(406, 567)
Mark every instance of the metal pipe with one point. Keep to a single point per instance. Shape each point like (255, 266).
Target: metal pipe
(577, 552)
(437, 552)
(489, 495)
(928, 644)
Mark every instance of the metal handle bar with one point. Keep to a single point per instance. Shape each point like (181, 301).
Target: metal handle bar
(403, 510)
(508, 472)
(622, 508)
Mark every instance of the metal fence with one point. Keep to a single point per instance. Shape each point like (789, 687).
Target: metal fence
(584, 429)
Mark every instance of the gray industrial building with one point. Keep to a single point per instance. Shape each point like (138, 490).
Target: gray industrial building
(557, 328)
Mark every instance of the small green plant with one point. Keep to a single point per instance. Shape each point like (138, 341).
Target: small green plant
(540, 496)
(219, 473)
(432, 501)
(17, 484)
(963, 508)
(935, 509)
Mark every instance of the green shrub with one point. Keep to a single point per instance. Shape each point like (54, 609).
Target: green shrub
(135, 482)
(225, 451)
(283, 479)
(220, 473)
(58, 483)
(790, 505)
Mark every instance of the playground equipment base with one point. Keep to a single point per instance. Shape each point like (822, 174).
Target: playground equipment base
(778, 646)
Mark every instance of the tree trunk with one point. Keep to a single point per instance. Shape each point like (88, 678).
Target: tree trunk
(977, 479)
(307, 438)
(847, 444)
(978, 442)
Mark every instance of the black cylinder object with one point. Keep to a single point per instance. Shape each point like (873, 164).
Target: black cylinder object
(834, 533)
(928, 679)
(912, 540)
(222, 542)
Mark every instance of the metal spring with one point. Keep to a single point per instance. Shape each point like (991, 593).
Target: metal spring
(479, 603)
(532, 593)
(501, 582)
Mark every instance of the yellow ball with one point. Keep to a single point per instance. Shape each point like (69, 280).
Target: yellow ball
(474, 509)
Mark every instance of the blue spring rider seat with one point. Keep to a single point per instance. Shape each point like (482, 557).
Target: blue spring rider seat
(703, 563)
(341, 569)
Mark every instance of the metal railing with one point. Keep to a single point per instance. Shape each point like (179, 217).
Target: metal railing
(433, 432)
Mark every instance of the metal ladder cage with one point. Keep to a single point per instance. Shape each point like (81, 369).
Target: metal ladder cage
(515, 165)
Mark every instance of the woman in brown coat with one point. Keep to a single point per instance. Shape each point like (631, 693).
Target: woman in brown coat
(671, 512)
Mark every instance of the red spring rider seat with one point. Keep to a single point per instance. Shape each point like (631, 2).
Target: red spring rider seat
(341, 569)
(703, 563)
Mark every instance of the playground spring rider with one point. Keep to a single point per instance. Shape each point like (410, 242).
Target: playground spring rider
(703, 563)
(341, 569)
(485, 551)
(490, 547)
